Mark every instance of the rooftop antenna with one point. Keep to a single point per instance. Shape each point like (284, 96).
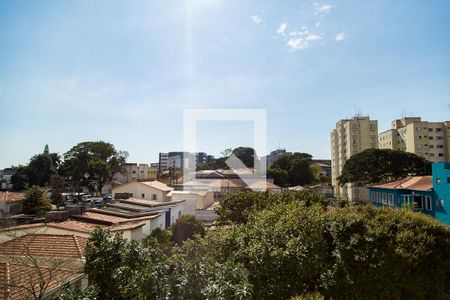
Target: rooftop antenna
(357, 111)
(403, 112)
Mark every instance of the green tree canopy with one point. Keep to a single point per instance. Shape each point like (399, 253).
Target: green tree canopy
(238, 207)
(36, 201)
(285, 248)
(186, 227)
(97, 162)
(382, 165)
(351, 253)
(119, 269)
(292, 169)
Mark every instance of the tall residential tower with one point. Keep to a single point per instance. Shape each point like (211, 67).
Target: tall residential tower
(430, 140)
(349, 137)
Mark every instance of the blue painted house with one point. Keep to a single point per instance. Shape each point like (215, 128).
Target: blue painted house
(427, 194)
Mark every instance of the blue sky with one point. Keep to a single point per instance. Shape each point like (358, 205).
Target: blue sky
(123, 71)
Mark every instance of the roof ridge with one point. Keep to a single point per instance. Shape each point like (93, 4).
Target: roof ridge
(8, 279)
(75, 238)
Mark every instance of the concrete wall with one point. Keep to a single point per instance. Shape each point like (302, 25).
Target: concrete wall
(141, 191)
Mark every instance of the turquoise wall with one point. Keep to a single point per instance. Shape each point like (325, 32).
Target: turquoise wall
(441, 187)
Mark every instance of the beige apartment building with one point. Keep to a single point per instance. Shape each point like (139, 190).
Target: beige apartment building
(349, 137)
(430, 140)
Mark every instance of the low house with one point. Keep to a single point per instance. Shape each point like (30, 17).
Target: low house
(260, 186)
(40, 265)
(194, 199)
(132, 227)
(427, 194)
(149, 190)
(11, 203)
(72, 227)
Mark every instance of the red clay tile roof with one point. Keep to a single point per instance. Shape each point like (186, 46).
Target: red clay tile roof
(416, 183)
(45, 245)
(11, 196)
(74, 225)
(16, 279)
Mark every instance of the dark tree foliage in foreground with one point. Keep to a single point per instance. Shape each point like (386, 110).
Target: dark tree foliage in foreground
(382, 165)
(351, 253)
(287, 247)
(186, 227)
(119, 269)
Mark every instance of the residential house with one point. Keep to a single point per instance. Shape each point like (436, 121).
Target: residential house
(149, 190)
(427, 194)
(41, 265)
(11, 203)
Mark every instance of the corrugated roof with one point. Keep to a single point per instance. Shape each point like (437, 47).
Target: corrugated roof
(416, 183)
(113, 219)
(45, 245)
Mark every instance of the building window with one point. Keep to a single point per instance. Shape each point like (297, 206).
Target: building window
(143, 196)
(155, 197)
(417, 202)
(384, 198)
(440, 203)
(438, 129)
(448, 179)
(438, 181)
(430, 129)
(428, 203)
(391, 200)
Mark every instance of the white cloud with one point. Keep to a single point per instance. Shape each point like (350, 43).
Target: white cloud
(300, 33)
(297, 44)
(256, 19)
(317, 24)
(282, 29)
(313, 37)
(323, 9)
(340, 37)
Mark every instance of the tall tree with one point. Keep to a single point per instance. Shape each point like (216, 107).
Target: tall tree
(90, 162)
(42, 166)
(382, 165)
(292, 169)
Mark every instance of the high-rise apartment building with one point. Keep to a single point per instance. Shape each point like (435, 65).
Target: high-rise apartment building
(349, 137)
(182, 160)
(430, 140)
